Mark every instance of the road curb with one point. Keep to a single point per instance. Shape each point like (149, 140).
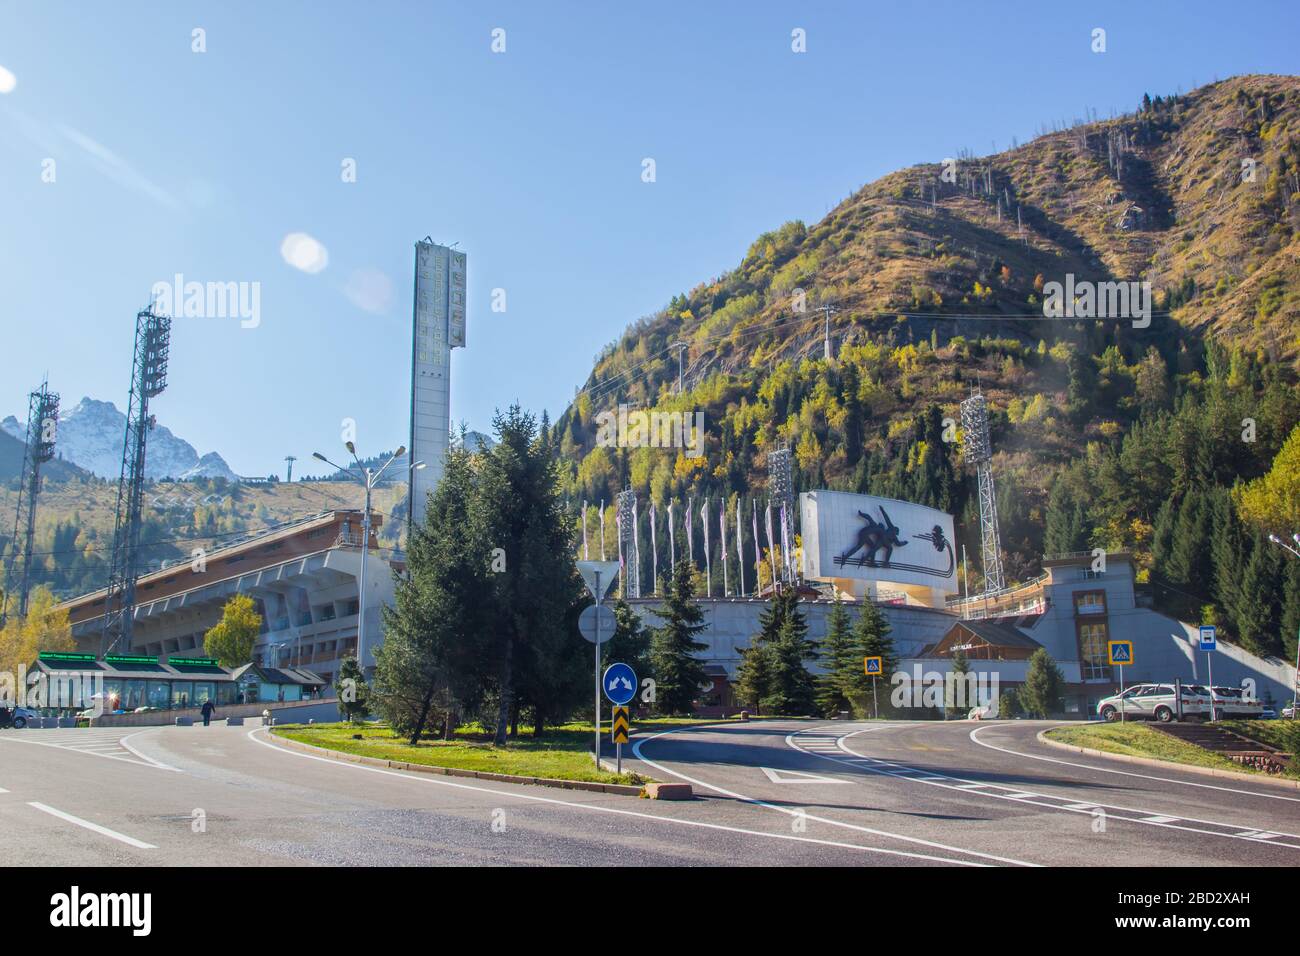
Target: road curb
(615, 788)
(1153, 762)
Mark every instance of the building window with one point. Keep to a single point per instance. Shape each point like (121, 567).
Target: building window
(1093, 656)
(1089, 602)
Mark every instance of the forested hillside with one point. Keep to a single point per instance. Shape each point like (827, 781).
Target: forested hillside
(1106, 433)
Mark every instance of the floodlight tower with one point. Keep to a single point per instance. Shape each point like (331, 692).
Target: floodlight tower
(979, 453)
(626, 504)
(42, 423)
(148, 379)
(780, 483)
(290, 459)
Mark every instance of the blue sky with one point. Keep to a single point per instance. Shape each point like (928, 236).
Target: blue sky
(169, 161)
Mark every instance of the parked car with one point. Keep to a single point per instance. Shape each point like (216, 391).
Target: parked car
(1154, 702)
(987, 711)
(20, 717)
(1288, 711)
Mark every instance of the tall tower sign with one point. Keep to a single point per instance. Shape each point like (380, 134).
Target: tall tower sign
(438, 327)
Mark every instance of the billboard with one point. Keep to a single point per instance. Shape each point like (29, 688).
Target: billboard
(867, 538)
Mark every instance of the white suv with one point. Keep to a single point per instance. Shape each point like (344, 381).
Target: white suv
(1153, 702)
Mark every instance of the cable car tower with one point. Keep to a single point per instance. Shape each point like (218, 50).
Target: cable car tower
(979, 453)
(148, 379)
(42, 424)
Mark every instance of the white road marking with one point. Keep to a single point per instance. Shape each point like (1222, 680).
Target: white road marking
(974, 735)
(104, 831)
(597, 808)
(100, 742)
(888, 768)
(636, 749)
(797, 776)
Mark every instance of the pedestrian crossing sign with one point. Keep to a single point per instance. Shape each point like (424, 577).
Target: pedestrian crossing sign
(871, 665)
(1121, 652)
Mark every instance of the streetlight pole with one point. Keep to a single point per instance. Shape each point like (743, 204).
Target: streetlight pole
(369, 479)
(1295, 678)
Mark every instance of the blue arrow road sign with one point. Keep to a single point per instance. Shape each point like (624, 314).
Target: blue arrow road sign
(620, 683)
(1208, 640)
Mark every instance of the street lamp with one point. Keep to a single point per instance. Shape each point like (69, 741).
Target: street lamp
(369, 479)
(1295, 678)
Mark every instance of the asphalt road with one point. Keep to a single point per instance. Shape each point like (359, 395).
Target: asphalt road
(788, 793)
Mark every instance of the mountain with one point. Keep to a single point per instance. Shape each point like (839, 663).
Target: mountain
(91, 433)
(937, 276)
(11, 458)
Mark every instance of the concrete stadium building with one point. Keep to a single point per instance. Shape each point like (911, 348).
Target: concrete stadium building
(303, 578)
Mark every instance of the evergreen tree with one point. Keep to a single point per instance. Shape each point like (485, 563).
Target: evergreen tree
(1040, 694)
(631, 641)
(1259, 618)
(536, 598)
(840, 661)
(677, 671)
(773, 674)
(352, 691)
(960, 668)
(871, 634)
(433, 662)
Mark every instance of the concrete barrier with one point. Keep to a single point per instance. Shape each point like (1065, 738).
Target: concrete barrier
(184, 721)
(234, 721)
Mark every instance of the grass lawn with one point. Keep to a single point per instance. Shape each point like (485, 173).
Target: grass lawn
(563, 754)
(1138, 740)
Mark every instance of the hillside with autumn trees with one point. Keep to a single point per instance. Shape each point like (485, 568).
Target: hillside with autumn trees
(1166, 438)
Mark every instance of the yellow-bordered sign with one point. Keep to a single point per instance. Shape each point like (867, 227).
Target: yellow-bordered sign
(1119, 652)
(621, 726)
(871, 666)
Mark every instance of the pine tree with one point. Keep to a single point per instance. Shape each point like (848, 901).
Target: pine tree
(773, 674)
(351, 689)
(631, 641)
(960, 667)
(871, 634)
(839, 656)
(540, 659)
(1040, 694)
(677, 671)
(432, 664)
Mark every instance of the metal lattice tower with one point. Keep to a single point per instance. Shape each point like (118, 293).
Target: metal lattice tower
(42, 424)
(780, 483)
(148, 379)
(632, 581)
(979, 453)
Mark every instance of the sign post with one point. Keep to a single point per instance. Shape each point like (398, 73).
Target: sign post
(1209, 644)
(1119, 654)
(871, 666)
(598, 576)
(620, 687)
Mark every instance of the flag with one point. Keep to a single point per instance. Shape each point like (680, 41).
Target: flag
(622, 566)
(602, 529)
(585, 555)
(758, 549)
(690, 538)
(654, 553)
(786, 567)
(740, 546)
(771, 549)
(722, 522)
(672, 541)
(635, 590)
(708, 566)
